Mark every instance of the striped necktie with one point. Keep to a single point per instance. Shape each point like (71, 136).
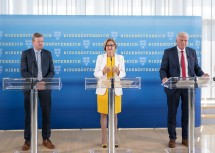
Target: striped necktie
(39, 75)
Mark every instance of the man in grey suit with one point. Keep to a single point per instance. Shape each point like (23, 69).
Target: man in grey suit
(179, 61)
(37, 63)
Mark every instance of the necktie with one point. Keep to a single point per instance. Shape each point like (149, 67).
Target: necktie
(183, 68)
(39, 75)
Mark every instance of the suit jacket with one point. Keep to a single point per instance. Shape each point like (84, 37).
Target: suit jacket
(101, 63)
(170, 66)
(29, 67)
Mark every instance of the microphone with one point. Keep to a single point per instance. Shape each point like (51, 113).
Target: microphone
(111, 65)
(112, 83)
(111, 55)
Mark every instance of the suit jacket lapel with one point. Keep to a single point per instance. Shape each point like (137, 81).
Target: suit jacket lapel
(34, 62)
(175, 56)
(33, 56)
(43, 59)
(104, 60)
(188, 59)
(117, 62)
(188, 54)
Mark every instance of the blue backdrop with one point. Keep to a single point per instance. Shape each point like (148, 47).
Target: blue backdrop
(75, 42)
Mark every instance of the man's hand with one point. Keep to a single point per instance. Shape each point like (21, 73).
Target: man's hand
(205, 75)
(164, 80)
(41, 85)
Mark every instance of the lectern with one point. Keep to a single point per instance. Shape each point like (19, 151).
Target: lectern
(111, 84)
(190, 83)
(31, 84)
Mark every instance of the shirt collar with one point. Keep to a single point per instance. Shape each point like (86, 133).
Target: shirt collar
(37, 51)
(179, 50)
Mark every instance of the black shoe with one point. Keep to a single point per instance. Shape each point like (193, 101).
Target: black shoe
(116, 145)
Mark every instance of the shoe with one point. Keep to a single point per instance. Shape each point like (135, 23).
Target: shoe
(172, 143)
(104, 142)
(104, 145)
(26, 145)
(185, 142)
(48, 144)
(116, 145)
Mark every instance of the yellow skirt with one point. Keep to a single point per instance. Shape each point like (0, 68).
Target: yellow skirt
(102, 103)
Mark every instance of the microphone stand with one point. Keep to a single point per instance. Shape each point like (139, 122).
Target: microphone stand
(34, 113)
(111, 113)
(195, 84)
(112, 79)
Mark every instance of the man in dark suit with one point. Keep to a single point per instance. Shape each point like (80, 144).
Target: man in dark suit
(37, 63)
(179, 61)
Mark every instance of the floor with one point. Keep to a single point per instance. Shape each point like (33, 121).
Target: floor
(130, 141)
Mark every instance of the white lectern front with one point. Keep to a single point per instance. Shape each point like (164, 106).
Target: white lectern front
(111, 84)
(190, 83)
(31, 84)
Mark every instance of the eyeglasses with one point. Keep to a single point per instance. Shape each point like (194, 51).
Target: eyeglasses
(111, 45)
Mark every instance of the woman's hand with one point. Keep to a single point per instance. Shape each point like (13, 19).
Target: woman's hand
(116, 70)
(106, 70)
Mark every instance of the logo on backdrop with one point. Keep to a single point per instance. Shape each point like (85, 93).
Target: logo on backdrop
(86, 60)
(57, 52)
(57, 69)
(114, 35)
(0, 52)
(197, 44)
(1, 69)
(57, 35)
(170, 35)
(142, 60)
(142, 44)
(86, 43)
(28, 43)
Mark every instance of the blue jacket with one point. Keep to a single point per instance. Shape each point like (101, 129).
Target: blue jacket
(170, 66)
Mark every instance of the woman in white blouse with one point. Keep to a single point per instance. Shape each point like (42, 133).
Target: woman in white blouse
(108, 65)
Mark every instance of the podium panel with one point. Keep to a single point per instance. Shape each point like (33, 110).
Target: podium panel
(111, 84)
(190, 83)
(125, 83)
(31, 84)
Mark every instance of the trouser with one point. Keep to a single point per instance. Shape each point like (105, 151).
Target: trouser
(173, 99)
(45, 104)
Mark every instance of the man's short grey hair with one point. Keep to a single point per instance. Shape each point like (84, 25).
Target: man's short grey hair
(182, 34)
